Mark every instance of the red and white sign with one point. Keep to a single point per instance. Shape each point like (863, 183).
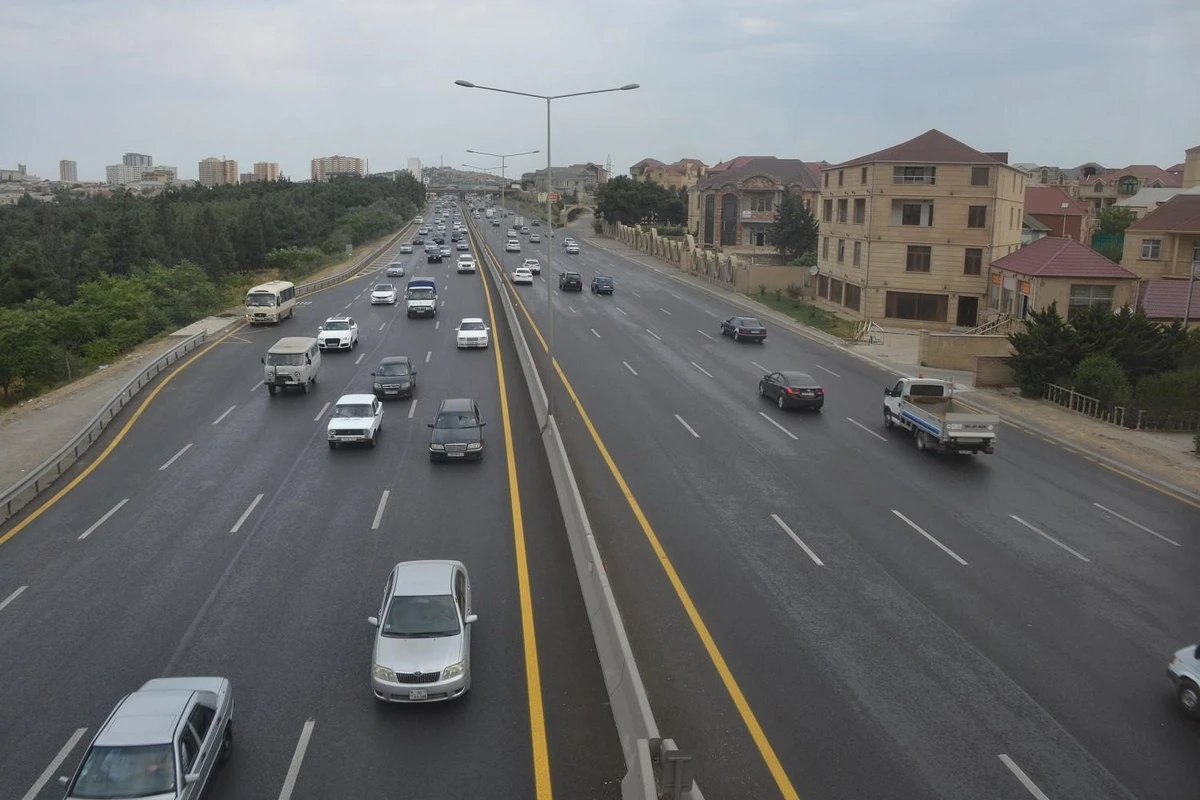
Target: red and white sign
(554, 197)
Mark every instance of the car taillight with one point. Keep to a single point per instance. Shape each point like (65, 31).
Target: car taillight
(789, 390)
(743, 330)
(820, 392)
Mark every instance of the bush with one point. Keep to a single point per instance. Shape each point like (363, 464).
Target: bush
(598, 226)
(672, 230)
(793, 291)
(1171, 393)
(1101, 377)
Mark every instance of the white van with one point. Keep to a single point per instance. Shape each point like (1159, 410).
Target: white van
(292, 361)
(272, 301)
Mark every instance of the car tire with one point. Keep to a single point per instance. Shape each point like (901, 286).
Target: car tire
(780, 402)
(304, 386)
(887, 419)
(332, 445)
(737, 337)
(760, 389)
(226, 744)
(272, 388)
(1188, 697)
(373, 438)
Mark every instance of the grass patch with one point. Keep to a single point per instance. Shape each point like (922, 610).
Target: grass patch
(807, 313)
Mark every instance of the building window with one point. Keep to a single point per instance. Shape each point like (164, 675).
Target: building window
(760, 203)
(973, 261)
(826, 180)
(860, 210)
(1128, 186)
(1098, 188)
(842, 207)
(823, 286)
(976, 216)
(761, 239)
(1196, 253)
(994, 297)
(828, 211)
(852, 296)
(835, 290)
(912, 212)
(924, 176)
(981, 176)
(862, 178)
(919, 258)
(1012, 212)
(1045, 176)
(729, 220)
(912, 305)
(1151, 249)
(825, 247)
(710, 217)
(1086, 296)
(841, 176)
(841, 251)
(1097, 204)
(857, 253)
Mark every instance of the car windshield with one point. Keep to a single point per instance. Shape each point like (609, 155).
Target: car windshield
(392, 370)
(337, 325)
(571, 276)
(262, 300)
(421, 617)
(385, 287)
(124, 772)
(455, 420)
(420, 294)
(603, 280)
(351, 411)
(471, 326)
(285, 359)
(748, 322)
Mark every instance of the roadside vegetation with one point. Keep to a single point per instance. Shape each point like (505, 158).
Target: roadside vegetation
(790, 302)
(83, 281)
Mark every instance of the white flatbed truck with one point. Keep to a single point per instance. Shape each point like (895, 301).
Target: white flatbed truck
(926, 407)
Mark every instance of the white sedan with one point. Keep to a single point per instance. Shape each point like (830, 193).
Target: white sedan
(533, 265)
(466, 263)
(463, 246)
(512, 246)
(572, 249)
(406, 247)
(355, 418)
(471, 332)
(384, 293)
(522, 275)
(535, 238)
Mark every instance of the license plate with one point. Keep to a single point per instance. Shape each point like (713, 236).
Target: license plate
(455, 455)
(806, 394)
(391, 391)
(418, 694)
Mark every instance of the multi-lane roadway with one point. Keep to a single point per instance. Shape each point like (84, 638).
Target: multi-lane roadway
(221, 536)
(819, 609)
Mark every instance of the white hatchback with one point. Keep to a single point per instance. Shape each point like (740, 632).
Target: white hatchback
(522, 275)
(512, 246)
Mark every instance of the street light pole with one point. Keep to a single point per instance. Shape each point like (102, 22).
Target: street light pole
(549, 210)
(503, 160)
(1187, 309)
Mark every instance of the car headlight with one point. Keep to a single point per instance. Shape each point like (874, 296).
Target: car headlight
(475, 446)
(436, 447)
(383, 673)
(452, 671)
(378, 386)
(991, 427)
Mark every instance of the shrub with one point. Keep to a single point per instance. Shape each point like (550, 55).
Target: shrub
(1101, 377)
(1168, 394)
(598, 226)
(793, 291)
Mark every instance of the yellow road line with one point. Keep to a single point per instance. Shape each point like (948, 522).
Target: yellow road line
(533, 674)
(757, 733)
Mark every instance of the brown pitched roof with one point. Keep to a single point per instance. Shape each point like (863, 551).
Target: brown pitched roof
(1180, 214)
(1166, 298)
(734, 163)
(1048, 200)
(1174, 168)
(647, 162)
(1146, 172)
(1052, 257)
(931, 147)
(788, 171)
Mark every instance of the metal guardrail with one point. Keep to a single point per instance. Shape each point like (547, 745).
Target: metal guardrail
(1121, 416)
(24, 491)
(654, 767)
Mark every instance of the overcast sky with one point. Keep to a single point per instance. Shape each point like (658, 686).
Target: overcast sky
(1053, 82)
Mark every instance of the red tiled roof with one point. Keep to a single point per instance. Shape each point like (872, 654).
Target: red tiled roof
(815, 168)
(1180, 214)
(647, 162)
(735, 163)
(931, 147)
(1146, 172)
(786, 171)
(1166, 298)
(1174, 168)
(1048, 200)
(1052, 257)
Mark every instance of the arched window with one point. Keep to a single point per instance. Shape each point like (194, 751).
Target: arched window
(729, 220)
(1128, 186)
(710, 217)
(1045, 176)
(1062, 178)
(1099, 187)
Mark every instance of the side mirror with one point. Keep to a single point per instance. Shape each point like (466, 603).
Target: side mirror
(430, 425)
(263, 359)
(373, 622)
(471, 618)
(481, 424)
(372, 374)
(63, 780)
(887, 391)
(191, 777)
(414, 372)
(320, 327)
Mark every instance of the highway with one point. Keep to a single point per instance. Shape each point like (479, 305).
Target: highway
(222, 536)
(841, 615)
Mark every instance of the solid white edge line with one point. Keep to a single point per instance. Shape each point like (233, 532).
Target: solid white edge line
(428, 356)
(1137, 525)
(249, 510)
(321, 413)
(702, 333)
(171, 461)
(655, 335)
(631, 369)
(777, 425)
(260, 383)
(831, 372)
(412, 408)
(382, 325)
(45, 777)
(689, 427)
(853, 421)
(223, 416)
(797, 540)
(4, 603)
(289, 781)
(379, 511)
(1029, 785)
(618, 308)
(596, 334)
(922, 531)
(1050, 538)
(668, 313)
(702, 369)
(358, 360)
(760, 366)
(102, 520)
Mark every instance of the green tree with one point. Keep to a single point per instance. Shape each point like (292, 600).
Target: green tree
(795, 230)
(1101, 377)
(1114, 220)
(1045, 352)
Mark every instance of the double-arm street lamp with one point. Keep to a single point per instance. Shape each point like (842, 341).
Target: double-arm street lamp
(549, 207)
(503, 158)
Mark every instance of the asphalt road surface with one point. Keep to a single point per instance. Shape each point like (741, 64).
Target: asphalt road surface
(224, 537)
(890, 623)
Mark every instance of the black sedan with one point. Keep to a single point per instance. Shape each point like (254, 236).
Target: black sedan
(744, 328)
(395, 377)
(602, 284)
(433, 255)
(457, 431)
(792, 390)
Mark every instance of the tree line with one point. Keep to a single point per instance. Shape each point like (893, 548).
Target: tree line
(83, 280)
(629, 202)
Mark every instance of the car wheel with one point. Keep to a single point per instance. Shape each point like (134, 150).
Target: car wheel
(272, 389)
(760, 389)
(780, 402)
(304, 386)
(373, 438)
(332, 445)
(226, 744)
(887, 419)
(1188, 696)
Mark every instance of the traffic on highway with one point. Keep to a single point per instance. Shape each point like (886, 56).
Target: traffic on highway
(338, 592)
(820, 609)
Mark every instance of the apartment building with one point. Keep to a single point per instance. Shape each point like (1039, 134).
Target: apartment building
(125, 174)
(329, 166)
(266, 171)
(906, 232)
(68, 171)
(414, 166)
(215, 171)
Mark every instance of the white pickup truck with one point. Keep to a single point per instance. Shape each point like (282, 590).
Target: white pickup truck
(927, 408)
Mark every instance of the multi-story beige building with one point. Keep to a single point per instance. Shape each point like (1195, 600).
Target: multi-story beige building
(266, 171)
(1106, 188)
(68, 171)
(683, 174)
(327, 167)
(215, 171)
(906, 232)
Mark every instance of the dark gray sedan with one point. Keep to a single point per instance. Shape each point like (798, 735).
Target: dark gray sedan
(395, 377)
(740, 328)
(792, 390)
(457, 431)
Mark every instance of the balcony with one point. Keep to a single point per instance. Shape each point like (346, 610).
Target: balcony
(756, 216)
